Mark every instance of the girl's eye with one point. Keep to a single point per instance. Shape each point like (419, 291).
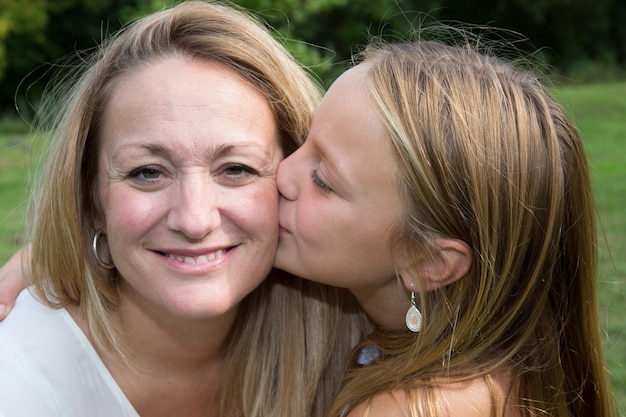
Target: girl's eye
(146, 173)
(319, 183)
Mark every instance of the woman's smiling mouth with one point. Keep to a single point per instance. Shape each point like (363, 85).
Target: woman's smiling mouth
(197, 260)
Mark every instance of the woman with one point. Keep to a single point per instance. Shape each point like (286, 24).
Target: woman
(449, 183)
(154, 228)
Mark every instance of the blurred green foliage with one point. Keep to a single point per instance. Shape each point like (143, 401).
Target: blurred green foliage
(584, 38)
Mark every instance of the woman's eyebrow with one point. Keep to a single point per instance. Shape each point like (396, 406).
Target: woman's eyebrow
(214, 151)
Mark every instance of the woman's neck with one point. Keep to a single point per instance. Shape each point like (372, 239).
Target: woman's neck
(172, 365)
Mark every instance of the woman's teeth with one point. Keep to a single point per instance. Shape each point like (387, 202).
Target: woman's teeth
(198, 259)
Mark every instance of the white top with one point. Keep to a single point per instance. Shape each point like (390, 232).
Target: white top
(48, 367)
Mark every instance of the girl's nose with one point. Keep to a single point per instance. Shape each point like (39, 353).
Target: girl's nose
(286, 178)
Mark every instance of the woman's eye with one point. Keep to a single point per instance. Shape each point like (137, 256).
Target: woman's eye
(236, 170)
(146, 173)
(319, 183)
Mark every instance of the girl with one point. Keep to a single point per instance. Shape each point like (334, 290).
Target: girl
(449, 183)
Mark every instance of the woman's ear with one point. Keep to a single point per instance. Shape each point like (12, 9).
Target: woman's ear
(450, 262)
(98, 222)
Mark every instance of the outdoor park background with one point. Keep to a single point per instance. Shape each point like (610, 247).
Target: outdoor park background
(582, 42)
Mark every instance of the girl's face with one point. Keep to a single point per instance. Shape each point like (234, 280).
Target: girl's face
(340, 196)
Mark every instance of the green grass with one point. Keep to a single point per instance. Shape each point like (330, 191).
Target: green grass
(598, 111)
(13, 186)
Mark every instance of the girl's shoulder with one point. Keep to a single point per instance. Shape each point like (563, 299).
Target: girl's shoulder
(472, 398)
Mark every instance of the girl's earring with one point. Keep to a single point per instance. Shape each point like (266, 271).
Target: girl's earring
(413, 316)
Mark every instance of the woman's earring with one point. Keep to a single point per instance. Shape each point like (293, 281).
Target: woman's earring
(413, 316)
(96, 253)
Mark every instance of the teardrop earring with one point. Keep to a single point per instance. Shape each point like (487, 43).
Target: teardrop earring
(413, 316)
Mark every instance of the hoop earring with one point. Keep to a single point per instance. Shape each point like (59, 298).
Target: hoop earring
(96, 253)
(413, 316)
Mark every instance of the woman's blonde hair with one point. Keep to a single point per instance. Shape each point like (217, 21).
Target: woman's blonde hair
(486, 155)
(284, 356)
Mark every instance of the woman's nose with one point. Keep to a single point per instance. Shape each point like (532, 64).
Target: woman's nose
(195, 207)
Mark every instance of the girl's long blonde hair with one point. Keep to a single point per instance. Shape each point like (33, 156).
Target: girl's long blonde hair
(286, 352)
(486, 155)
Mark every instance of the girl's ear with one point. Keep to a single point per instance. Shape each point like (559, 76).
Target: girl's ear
(451, 261)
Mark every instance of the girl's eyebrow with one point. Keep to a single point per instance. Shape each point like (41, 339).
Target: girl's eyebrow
(334, 163)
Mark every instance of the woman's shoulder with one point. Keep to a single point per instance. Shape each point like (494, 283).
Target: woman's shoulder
(472, 398)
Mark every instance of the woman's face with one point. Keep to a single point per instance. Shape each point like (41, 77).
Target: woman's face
(340, 196)
(189, 153)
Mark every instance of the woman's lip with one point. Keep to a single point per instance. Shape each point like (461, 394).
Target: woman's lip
(201, 263)
(193, 253)
(194, 256)
(201, 259)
